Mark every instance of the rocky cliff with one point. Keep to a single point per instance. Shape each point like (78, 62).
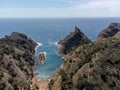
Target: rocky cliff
(16, 62)
(73, 40)
(92, 66)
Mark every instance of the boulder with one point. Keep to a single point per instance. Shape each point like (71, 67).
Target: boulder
(41, 58)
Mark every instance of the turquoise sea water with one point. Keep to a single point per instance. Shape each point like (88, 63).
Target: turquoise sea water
(49, 31)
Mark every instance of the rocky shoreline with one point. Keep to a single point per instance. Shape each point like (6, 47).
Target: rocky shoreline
(88, 65)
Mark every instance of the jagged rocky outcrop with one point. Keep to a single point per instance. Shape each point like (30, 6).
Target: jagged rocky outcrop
(41, 58)
(110, 31)
(16, 62)
(92, 66)
(73, 40)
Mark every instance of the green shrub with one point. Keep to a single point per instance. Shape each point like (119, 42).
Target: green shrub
(2, 85)
(1, 74)
(91, 65)
(15, 84)
(10, 80)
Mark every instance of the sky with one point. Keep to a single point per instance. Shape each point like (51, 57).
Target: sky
(59, 8)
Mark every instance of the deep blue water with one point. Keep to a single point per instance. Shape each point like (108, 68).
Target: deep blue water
(50, 30)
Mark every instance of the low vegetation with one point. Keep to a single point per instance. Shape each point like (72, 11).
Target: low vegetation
(15, 67)
(92, 66)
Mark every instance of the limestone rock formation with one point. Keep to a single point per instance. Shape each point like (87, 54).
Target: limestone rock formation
(41, 58)
(73, 40)
(16, 62)
(92, 66)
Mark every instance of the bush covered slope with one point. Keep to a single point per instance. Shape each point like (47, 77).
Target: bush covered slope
(93, 66)
(16, 62)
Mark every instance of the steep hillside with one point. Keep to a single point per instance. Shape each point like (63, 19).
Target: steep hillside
(92, 66)
(16, 62)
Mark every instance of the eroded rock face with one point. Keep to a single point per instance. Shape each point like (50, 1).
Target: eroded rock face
(16, 62)
(93, 66)
(41, 58)
(73, 40)
(110, 31)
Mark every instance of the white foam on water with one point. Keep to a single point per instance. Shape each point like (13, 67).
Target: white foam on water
(56, 43)
(45, 57)
(64, 58)
(38, 45)
(45, 53)
(41, 76)
(61, 66)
